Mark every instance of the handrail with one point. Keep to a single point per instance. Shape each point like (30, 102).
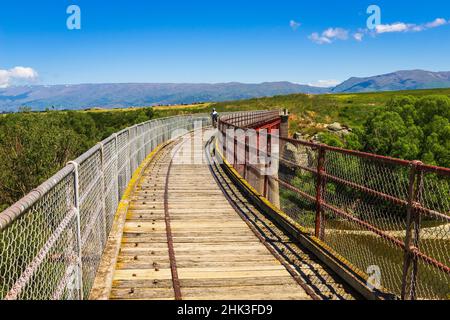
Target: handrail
(391, 212)
(51, 240)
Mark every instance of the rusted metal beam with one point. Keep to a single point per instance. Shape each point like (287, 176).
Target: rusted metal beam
(320, 191)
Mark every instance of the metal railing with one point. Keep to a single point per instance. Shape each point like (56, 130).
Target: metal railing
(250, 119)
(387, 219)
(52, 240)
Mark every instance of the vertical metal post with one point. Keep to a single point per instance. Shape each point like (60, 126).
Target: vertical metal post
(411, 220)
(284, 130)
(117, 173)
(246, 155)
(225, 142)
(320, 189)
(103, 195)
(416, 239)
(266, 165)
(76, 199)
(235, 150)
(223, 147)
(130, 165)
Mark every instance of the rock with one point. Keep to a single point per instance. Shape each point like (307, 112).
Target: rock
(315, 138)
(290, 148)
(299, 155)
(335, 127)
(344, 132)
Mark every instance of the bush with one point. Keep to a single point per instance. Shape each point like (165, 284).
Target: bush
(412, 129)
(34, 146)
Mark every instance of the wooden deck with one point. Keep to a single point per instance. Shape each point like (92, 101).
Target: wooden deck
(215, 255)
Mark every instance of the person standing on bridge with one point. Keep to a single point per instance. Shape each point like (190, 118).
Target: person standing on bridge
(214, 117)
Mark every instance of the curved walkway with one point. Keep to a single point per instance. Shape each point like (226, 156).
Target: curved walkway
(183, 240)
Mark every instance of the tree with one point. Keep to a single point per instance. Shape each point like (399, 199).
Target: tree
(412, 129)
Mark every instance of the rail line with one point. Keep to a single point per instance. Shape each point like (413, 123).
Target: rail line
(173, 261)
(183, 240)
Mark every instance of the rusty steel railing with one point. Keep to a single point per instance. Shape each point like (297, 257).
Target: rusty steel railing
(250, 119)
(387, 219)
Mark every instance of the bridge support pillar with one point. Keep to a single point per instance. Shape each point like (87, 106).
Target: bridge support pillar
(274, 191)
(255, 177)
(284, 130)
(273, 186)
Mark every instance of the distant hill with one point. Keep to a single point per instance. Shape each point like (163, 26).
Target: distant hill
(82, 96)
(134, 94)
(400, 80)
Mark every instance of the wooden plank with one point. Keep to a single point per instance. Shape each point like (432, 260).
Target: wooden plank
(198, 283)
(236, 239)
(147, 294)
(163, 263)
(255, 295)
(142, 274)
(217, 255)
(227, 293)
(196, 251)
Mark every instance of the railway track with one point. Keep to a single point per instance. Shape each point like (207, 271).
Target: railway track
(183, 239)
(190, 233)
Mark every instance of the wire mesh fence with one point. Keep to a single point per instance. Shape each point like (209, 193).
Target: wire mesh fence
(387, 219)
(51, 241)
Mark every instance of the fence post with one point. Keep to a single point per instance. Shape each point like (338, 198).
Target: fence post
(412, 218)
(130, 164)
(266, 166)
(246, 154)
(76, 186)
(235, 150)
(103, 195)
(320, 188)
(225, 143)
(116, 173)
(417, 222)
(284, 130)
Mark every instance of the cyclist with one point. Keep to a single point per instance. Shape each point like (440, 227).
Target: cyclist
(214, 117)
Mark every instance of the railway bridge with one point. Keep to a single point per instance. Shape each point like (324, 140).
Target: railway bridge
(175, 209)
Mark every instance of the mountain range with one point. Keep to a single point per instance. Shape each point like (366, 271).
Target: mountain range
(395, 81)
(82, 96)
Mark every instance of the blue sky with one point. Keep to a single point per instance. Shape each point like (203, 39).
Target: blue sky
(218, 41)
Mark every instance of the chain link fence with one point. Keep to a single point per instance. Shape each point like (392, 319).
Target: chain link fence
(372, 212)
(52, 240)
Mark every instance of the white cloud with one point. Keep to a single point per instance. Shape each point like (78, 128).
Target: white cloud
(325, 83)
(395, 27)
(329, 35)
(294, 24)
(410, 27)
(358, 36)
(332, 34)
(337, 33)
(315, 37)
(436, 23)
(17, 75)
